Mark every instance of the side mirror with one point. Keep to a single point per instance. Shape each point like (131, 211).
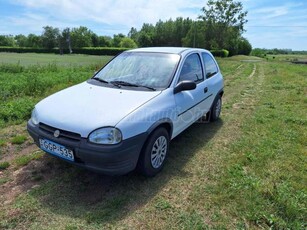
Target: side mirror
(184, 85)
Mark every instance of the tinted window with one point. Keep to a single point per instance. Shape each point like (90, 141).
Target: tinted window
(191, 69)
(210, 65)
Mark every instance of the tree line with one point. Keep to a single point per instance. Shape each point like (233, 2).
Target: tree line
(52, 37)
(220, 26)
(263, 52)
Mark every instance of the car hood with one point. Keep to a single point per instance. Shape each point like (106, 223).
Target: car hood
(85, 107)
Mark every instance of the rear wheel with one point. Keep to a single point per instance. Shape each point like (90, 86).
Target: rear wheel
(154, 153)
(216, 108)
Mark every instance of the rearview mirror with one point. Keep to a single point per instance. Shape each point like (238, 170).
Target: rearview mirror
(184, 85)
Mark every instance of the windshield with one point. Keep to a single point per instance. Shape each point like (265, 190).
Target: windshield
(147, 69)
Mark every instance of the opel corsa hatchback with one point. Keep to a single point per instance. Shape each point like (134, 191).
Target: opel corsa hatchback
(125, 115)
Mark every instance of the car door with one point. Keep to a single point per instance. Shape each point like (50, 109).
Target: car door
(211, 78)
(191, 104)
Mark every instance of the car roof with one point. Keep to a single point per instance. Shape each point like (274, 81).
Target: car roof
(171, 50)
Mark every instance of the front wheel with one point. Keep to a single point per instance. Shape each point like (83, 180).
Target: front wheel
(154, 153)
(216, 108)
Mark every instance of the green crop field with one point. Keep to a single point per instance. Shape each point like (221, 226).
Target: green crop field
(26, 59)
(246, 171)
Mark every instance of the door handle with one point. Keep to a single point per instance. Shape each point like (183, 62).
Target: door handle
(205, 89)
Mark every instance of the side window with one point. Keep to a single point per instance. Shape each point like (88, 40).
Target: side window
(210, 65)
(191, 69)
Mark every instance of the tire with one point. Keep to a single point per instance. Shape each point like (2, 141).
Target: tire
(216, 108)
(150, 162)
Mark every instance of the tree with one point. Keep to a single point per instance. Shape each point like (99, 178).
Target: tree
(117, 38)
(128, 43)
(34, 41)
(104, 41)
(224, 22)
(195, 36)
(181, 29)
(244, 47)
(21, 40)
(7, 40)
(81, 37)
(164, 33)
(95, 40)
(144, 39)
(64, 40)
(133, 34)
(146, 35)
(50, 37)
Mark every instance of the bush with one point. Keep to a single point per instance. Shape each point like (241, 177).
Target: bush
(112, 51)
(100, 51)
(17, 110)
(220, 53)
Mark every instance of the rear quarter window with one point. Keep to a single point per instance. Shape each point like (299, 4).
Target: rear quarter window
(210, 65)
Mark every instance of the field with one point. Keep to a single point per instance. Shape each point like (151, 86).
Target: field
(246, 171)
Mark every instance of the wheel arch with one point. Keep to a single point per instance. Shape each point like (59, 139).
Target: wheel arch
(166, 123)
(221, 92)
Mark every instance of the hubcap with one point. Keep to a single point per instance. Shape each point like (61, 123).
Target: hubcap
(218, 108)
(158, 152)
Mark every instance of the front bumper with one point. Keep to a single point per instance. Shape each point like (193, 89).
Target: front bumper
(116, 159)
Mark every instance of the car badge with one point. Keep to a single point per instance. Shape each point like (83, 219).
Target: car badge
(56, 133)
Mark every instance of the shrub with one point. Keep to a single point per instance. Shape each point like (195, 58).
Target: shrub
(112, 51)
(220, 53)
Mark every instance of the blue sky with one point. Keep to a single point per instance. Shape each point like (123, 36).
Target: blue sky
(271, 24)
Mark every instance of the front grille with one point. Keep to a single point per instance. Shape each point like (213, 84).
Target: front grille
(63, 133)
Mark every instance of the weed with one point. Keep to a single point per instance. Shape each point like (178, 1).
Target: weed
(4, 180)
(162, 204)
(19, 139)
(4, 165)
(25, 159)
(17, 110)
(2, 143)
(191, 220)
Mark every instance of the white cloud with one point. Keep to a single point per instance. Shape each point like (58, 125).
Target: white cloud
(280, 10)
(113, 12)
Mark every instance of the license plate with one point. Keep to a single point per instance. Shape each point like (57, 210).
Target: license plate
(56, 149)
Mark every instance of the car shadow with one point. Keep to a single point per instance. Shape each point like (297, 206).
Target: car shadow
(94, 198)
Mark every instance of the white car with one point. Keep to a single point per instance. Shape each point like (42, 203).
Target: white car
(125, 115)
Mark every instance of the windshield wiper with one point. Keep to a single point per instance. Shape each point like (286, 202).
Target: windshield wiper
(99, 79)
(125, 83)
(104, 81)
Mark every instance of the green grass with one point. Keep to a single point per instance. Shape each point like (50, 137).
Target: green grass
(4, 165)
(265, 169)
(2, 143)
(19, 139)
(29, 59)
(25, 159)
(4, 180)
(245, 171)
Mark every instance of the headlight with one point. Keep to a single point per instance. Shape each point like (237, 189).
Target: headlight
(34, 118)
(108, 136)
